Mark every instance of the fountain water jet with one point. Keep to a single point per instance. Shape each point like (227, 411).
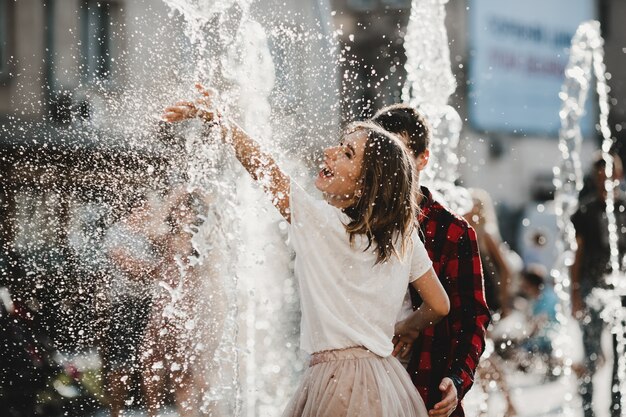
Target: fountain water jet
(428, 87)
(231, 54)
(587, 61)
(239, 63)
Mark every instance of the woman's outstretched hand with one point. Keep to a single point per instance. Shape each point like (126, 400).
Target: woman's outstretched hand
(203, 108)
(259, 164)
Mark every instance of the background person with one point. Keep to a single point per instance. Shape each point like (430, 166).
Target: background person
(496, 271)
(542, 310)
(131, 259)
(187, 315)
(590, 267)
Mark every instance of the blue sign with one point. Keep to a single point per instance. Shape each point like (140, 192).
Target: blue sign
(518, 55)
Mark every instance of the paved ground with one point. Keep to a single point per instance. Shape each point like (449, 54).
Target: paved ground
(531, 397)
(531, 394)
(534, 397)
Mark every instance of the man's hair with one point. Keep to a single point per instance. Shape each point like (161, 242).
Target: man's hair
(386, 209)
(406, 121)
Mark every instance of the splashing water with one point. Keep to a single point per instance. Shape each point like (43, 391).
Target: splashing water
(586, 61)
(429, 85)
(236, 316)
(230, 53)
(568, 183)
(239, 62)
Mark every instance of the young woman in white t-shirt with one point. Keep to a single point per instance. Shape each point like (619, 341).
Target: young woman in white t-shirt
(356, 253)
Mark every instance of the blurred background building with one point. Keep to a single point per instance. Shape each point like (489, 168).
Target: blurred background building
(60, 60)
(508, 59)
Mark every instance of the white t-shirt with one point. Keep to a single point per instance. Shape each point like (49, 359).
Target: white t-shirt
(346, 299)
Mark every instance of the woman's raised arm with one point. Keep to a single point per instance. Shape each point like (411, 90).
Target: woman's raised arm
(259, 164)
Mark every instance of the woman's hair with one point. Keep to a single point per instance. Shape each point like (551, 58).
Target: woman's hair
(386, 209)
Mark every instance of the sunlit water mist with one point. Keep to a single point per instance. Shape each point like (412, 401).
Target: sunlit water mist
(586, 64)
(238, 314)
(259, 354)
(230, 53)
(429, 85)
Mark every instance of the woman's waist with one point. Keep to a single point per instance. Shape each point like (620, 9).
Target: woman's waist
(349, 353)
(334, 334)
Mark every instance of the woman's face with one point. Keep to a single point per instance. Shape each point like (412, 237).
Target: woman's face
(340, 176)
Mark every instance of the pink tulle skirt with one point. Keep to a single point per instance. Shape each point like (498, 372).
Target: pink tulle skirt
(355, 382)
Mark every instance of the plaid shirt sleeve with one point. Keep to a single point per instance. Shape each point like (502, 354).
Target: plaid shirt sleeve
(473, 316)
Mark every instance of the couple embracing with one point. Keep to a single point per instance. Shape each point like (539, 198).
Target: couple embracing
(376, 239)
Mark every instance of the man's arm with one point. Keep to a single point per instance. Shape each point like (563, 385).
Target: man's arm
(474, 315)
(577, 301)
(132, 266)
(494, 246)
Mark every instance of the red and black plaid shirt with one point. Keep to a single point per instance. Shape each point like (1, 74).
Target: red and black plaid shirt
(452, 347)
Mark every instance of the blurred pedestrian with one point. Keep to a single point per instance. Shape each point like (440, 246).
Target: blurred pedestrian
(444, 356)
(541, 314)
(131, 260)
(496, 268)
(526, 337)
(590, 267)
(187, 316)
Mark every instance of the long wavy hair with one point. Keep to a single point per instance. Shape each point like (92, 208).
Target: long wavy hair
(386, 209)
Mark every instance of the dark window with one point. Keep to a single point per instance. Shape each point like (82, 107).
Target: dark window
(4, 39)
(97, 20)
(362, 5)
(397, 4)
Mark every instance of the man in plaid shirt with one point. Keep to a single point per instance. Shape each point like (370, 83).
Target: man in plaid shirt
(444, 356)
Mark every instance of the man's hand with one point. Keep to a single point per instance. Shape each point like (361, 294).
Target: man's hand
(449, 399)
(404, 336)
